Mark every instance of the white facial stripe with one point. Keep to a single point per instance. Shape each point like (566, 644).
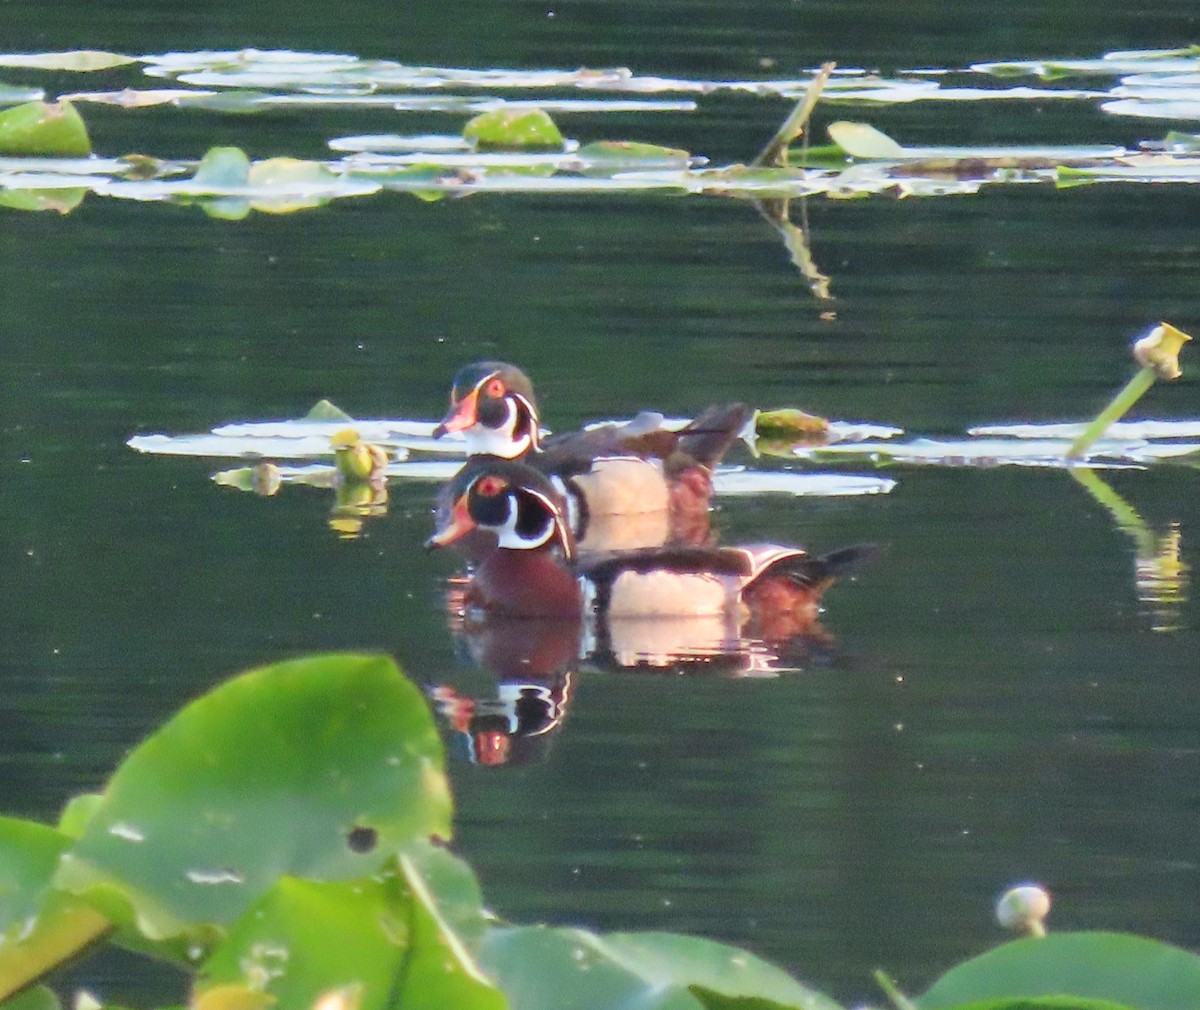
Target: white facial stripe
(507, 535)
(502, 441)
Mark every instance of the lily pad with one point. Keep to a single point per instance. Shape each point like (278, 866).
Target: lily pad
(10, 95)
(38, 997)
(61, 201)
(344, 770)
(48, 129)
(609, 156)
(382, 935)
(39, 928)
(1133, 430)
(730, 482)
(392, 143)
(1129, 971)
(508, 129)
(77, 60)
(540, 968)
(1000, 452)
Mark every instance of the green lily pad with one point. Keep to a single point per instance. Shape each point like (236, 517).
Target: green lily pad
(712, 1000)
(514, 129)
(1128, 971)
(381, 935)
(46, 129)
(77, 60)
(223, 167)
(61, 201)
(541, 968)
(292, 176)
(40, 929)
(78, 811)
(38, 997)
(322, 768)
(606, 157)
(860, 140)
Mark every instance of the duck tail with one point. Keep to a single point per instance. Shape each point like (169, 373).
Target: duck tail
(820, 572)
(709, 436)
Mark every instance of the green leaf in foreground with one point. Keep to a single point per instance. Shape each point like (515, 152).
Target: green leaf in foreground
(514, 130)
(712, 1000)
(381, 935)
(39, 928)
(37, 997)
(44, 129)
(1107, 968)
(321, 768)
(541, 968)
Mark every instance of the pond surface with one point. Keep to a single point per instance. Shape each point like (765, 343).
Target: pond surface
(997, 701)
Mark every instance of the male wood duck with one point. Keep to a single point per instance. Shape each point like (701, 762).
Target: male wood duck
(636, 468)
(534, 571)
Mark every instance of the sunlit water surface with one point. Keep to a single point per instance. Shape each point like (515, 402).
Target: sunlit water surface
(996, 704)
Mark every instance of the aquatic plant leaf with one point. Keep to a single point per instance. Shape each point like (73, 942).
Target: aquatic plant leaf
(729, 482)
(61, 201)
(382, 935)
(40, 929)
(70, 166)
(392, 143)
(10, 95)
(223, 167)
(514, 129)
(49, 129)
(196, 823)
(998, 452)
(293, 176)
(29, 853)
(609, 156)
(925, 91)
(861, 140)
(134, 98)
(1123, 969)
(1132, 430)
(78, 811)
(712, 1000)
(77, 60)
(542, 968)
(38, 997)
(230, 997)
(326, 410)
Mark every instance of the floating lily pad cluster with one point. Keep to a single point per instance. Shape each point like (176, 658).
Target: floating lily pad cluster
(516, 147)
(310, 870)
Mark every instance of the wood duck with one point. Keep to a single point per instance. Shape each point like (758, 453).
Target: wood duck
(638, 468)
(534, 570)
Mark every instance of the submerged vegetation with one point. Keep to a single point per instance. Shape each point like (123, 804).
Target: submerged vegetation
(311, 870)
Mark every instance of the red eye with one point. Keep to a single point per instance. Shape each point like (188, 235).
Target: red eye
(489, 487)
(494, 388)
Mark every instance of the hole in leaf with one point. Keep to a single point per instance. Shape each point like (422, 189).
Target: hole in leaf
(362, 840)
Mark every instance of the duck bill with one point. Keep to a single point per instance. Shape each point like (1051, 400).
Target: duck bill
(459, 526)
(462, 414)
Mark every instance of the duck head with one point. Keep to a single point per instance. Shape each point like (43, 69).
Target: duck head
(492, 404)
(509, 499)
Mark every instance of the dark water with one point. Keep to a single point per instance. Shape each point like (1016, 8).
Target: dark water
(999, 705)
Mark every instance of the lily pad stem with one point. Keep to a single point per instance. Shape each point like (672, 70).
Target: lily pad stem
(1120, 404)
(775, 153)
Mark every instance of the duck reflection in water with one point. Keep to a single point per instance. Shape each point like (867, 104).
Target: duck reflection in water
(536, 610)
